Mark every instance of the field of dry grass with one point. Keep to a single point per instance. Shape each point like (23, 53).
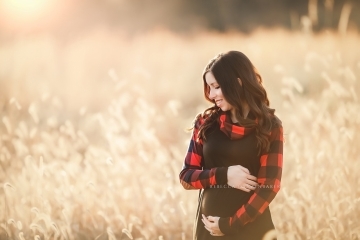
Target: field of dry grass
(92, 132)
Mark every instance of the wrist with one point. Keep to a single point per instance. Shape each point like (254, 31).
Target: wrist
(224, 226)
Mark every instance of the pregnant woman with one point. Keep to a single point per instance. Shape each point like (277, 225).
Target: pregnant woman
(235, 153)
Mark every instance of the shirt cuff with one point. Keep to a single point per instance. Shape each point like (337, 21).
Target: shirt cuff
(221, 175)
(224, 225)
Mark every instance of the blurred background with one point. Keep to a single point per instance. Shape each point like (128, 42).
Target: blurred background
(96, 98)
(66, 18)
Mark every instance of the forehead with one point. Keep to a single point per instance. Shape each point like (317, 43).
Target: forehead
(210, 79)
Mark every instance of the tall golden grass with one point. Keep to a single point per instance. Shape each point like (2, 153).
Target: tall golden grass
(92, 132)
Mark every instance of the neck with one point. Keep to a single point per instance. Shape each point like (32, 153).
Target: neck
(245, 112)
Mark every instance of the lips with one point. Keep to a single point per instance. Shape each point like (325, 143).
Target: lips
(218, 102)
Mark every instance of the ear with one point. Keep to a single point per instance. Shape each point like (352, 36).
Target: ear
(240, 82)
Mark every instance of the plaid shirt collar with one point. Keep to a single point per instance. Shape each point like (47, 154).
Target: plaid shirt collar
(232, 130)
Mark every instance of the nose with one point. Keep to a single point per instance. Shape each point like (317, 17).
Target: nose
(212, 94)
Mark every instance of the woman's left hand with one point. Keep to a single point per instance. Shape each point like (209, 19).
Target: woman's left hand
(212, 225)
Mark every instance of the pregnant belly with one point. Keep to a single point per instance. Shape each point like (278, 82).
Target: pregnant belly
(223, 202)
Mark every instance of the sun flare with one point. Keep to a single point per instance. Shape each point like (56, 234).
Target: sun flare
(27, 7)
(24, 11)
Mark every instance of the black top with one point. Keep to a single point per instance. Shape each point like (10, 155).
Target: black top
(222, 200)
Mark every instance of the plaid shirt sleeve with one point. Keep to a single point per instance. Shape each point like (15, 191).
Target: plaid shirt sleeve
(269, 177)
(193, 176)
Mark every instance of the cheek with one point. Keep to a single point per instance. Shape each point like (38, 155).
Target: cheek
(221, 94)
(225, 100)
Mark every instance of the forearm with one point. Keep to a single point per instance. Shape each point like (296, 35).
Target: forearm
(192, 175)
(269, 177)
(248, 212)
(194, 178)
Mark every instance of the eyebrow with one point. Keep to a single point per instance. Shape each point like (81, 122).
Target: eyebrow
(213, 83)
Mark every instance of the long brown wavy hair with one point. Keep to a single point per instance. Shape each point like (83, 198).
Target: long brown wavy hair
(227, 68)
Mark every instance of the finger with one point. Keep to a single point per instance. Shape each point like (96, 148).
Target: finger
(252, 183)
(207, 228)
(243, 188)
(211, 218)
(217, 234)
(205, 220)
(251, 177)
(208, 224)
(250, 187)
(220, 234)
(205, 225)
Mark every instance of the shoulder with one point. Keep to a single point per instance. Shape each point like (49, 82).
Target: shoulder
(276, 132)
(199, 120)
(275, 121)
(210, 114)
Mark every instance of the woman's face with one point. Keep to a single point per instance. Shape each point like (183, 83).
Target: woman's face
(215, 93)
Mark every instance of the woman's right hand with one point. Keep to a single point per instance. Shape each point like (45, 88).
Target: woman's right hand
(240, 178)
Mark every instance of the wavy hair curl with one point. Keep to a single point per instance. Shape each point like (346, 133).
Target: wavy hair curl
(227, 68)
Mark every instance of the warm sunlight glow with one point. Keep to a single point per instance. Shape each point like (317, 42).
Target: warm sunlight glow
(25, 12)
(24, 7)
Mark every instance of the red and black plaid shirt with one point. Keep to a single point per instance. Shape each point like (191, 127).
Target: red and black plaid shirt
(193, 176)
